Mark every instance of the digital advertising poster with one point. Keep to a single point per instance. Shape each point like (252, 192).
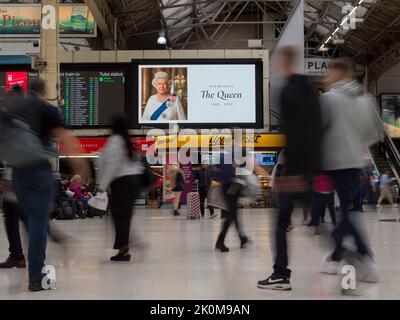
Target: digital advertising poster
(196, 94)
(390, 104)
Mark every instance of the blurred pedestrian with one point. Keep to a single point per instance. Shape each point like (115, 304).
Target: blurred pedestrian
(33, 184)
(349, 128)
(120, 170)
(225, 172)
(12, 214)
(301, 118)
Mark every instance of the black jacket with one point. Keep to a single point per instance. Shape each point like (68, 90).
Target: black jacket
(301, 115)
(204, 176)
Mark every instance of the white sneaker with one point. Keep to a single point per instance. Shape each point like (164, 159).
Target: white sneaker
(368, 270)
(329, 266)
(378, 206)
(395, 205)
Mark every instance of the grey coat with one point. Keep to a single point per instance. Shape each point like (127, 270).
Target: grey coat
(349, 126)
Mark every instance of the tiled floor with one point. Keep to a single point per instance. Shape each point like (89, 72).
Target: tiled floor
(180, 261)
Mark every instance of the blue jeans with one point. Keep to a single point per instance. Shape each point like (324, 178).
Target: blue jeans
(34, 187)
(359, 195)
(345, 182)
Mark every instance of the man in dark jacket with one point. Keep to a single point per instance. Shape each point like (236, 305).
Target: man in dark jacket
(33, 184)
(204, 178)
(302, 123)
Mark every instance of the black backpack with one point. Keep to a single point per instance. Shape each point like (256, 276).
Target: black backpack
(65, 211)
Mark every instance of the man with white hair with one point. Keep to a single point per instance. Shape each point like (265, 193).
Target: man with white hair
(162, 106)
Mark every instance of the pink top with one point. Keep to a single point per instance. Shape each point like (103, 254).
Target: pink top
(323, 184)
(77, 190)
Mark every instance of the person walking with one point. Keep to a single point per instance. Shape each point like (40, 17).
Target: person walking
(302, 126)
(231, 189)
(33, 184)
(385, 192)
(120, 170)
(12, 214)
(177, 185)
(349, 128)
(204, 178)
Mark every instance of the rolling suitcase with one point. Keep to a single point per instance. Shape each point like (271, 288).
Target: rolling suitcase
(193, 203)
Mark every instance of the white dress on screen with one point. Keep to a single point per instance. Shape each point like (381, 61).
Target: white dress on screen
(168, 110)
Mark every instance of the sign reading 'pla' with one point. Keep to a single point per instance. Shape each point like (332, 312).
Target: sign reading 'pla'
(316, 66)
(21, 20)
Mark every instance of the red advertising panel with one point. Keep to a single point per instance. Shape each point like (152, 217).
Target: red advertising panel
(94, 145)
(14, 78)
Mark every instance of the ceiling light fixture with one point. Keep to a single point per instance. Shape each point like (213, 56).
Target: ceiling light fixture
(161, 38)
(344, 20)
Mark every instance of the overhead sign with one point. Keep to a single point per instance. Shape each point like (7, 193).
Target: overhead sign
(316, 66)
(217, 141)
(19, 20)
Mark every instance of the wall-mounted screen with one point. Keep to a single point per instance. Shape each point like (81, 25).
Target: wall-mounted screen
(390, 104)
(265, 159)
(92, 95)
(201, 93)
(9, 79)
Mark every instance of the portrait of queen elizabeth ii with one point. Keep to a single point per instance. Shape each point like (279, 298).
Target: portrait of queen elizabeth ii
(163, 106)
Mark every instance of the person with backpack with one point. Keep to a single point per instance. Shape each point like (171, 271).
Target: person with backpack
(33, 182)
(121, 171)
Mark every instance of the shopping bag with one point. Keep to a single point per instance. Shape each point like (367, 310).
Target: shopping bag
(99, 202)
(291, 184)
(215, 198)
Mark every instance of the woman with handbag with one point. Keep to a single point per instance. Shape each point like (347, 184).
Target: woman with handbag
(121, 171)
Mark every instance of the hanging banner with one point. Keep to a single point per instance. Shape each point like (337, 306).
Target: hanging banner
(21, 20)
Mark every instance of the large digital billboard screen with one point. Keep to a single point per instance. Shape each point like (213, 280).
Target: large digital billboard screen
(198, 93)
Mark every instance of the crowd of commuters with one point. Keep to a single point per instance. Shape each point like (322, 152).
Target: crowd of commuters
(325, 142)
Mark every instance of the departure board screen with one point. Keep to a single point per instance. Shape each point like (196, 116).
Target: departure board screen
(92, 97)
